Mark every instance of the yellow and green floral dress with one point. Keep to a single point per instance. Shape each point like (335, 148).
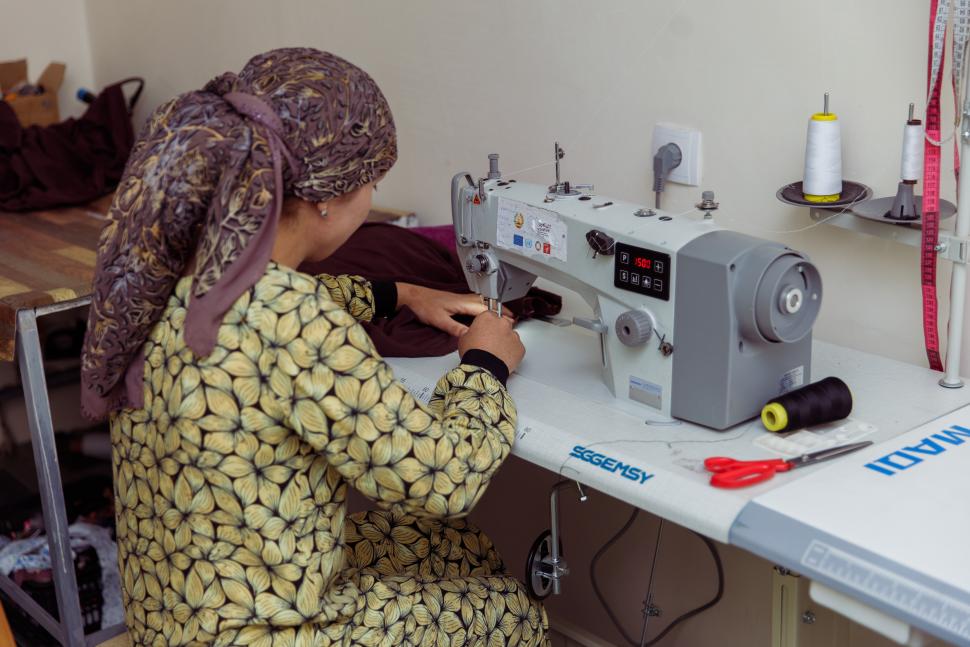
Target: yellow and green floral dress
(230, 485)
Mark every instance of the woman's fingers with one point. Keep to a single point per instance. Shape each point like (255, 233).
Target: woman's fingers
(436, 308)
(468, 304)
(449, 325)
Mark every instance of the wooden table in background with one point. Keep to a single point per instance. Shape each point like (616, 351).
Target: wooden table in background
(46, 257)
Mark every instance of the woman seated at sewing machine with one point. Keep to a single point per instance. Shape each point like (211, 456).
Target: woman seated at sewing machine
(244, 396)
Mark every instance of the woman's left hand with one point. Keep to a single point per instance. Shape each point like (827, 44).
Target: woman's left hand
(436, 307)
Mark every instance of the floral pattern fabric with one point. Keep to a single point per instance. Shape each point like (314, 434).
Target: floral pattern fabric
(230, 485)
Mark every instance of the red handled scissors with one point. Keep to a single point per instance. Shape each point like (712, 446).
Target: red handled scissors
(731, 473)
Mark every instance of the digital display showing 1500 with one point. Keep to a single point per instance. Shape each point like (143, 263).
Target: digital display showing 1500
(642, 270)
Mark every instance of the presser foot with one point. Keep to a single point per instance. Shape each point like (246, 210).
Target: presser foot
(494, 305)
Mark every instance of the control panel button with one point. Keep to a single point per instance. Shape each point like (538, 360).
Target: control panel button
(646, 281)
(624, 276)
(658, 266)
(625, 258)
(635, 278)
(658, 285)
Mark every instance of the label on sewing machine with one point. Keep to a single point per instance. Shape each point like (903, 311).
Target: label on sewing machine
(646, 392)
(530, 231)
(792, 379)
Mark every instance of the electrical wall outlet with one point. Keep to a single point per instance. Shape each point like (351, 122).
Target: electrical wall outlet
(689, 141)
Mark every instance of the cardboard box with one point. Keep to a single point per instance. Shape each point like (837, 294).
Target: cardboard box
(38, 109)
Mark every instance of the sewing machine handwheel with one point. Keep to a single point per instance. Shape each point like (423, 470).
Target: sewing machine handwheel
(538, 586)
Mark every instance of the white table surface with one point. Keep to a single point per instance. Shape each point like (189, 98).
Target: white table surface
(909, 528)
(563, 402)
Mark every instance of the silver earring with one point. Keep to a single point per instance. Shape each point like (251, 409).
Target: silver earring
(323, 213)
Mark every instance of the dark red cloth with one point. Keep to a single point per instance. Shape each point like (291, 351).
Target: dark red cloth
(381, 252)
(72, 162)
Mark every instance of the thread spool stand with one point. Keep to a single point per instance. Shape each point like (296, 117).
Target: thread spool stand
(952, 246)
(859, 212)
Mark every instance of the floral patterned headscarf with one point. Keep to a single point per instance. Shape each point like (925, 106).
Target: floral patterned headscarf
(205, 183)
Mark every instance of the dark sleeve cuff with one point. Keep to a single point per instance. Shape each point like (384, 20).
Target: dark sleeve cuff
(491, 363)
(385, 298)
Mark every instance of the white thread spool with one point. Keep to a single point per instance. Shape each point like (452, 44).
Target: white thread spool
(822, 181)
(912, 162)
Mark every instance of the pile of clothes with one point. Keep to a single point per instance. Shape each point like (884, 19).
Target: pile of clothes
(68, 163)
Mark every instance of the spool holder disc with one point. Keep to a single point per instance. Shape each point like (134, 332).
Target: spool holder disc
(852, 193)
(878, 209)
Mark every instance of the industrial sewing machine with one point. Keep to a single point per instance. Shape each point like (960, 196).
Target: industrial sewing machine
(695, 322)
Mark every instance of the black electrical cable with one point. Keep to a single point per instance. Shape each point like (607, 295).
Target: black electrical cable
(676, 621)
(592, 576)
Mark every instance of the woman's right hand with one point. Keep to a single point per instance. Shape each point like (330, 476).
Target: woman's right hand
(492, 333)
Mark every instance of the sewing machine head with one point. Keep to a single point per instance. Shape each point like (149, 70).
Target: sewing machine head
(695, 322)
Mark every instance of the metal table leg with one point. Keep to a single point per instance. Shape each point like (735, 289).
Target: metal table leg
(49, 479)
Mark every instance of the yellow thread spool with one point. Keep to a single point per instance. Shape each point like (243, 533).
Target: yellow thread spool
(824, 401)
(774, 417)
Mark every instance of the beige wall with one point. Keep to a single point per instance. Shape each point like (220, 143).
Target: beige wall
(465, 79)
(49, 30)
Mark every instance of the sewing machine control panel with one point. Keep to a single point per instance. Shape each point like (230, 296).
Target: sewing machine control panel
(642, 270)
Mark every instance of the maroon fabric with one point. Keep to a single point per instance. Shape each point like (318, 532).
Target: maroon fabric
(72, 162)
(382, 252)
(441, 234)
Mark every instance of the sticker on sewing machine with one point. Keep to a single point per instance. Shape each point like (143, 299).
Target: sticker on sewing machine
(646, 392)
(792, 379)
(530, 231)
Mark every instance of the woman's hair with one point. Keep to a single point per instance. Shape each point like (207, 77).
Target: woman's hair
(207, 177)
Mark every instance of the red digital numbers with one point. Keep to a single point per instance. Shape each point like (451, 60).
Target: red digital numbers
(642, 262)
